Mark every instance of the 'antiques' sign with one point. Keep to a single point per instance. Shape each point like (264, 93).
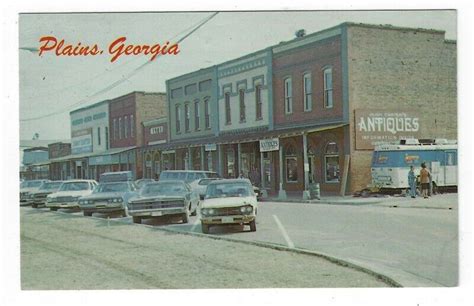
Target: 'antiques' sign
(373, 127)
(267, 145)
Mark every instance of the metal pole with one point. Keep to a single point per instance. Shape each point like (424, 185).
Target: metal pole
(281, 192)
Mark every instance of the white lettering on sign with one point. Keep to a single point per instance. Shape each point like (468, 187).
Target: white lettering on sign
(210, 147)
(156, 130)
(392, 124)
(267, 145)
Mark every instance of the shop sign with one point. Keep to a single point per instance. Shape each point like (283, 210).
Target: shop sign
(81, 142)
(169, 152)
(267, 145)
(373, 127)
(211, 147)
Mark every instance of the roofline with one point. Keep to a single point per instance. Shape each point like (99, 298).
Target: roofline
(392, 27)
(89, 106)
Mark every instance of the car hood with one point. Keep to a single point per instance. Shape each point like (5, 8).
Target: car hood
(29, 189)
(155, 198)
(77, 193)
(228, 202)
(103, 195)
(42, 192)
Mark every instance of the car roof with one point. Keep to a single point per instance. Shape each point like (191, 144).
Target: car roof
(78, 181)
(230, 181)
(190, 171)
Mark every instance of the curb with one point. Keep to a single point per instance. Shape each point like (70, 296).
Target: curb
(344, 263)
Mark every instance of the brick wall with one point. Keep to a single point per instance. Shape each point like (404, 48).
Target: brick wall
(148, 106)
(399, 69)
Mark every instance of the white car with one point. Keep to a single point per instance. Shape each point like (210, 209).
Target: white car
(28, 187)
(229, 202)
(69, 193)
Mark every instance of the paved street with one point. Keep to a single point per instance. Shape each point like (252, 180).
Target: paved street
(414, 242)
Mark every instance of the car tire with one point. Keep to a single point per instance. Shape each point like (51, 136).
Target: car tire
(253, 226)
(205, 228)
(137, 220)
(87, 214)
(185, 218)
(34, 205)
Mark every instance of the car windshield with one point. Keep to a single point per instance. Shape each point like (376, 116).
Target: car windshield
(228, 190)
(169, 189)
(28, 184)
(205, 182)
(112, 187)
(50, 186)
(74, 186)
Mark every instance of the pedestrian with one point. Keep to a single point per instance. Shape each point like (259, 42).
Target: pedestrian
(424, 180)
(412, 181)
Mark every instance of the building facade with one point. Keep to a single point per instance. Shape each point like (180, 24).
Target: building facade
(59, 170)
(155, 133)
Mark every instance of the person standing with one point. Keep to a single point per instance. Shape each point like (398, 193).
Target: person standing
(424, 180)
(412, 181)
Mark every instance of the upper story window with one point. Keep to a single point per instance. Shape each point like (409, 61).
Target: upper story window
(205, 85)
(115, 129)
(228, 119)
(258, 102)
(186, 117)
(288, 96)
(125, 127)
(120, 127)
(106, 138)
(197, 115)
(178, 118)
(328, 98)
(190, 89)
(307, 92)
(132, 126)
(98, 135)
(242, 104)
(207, 114)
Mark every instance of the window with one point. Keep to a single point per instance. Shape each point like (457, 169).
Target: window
(186, 117)
(328, 103)
(120, 128)
(190, 89)
(207, 114)
(331, 163)
(106, 138)
(115, 129)
(230, 163)
(196, 115)
(227, 108)
(288, 96)
(125, 125)
(242, 105)
(178, 119)
(307, 89)
(132, 126)
(291, 165)
(209, 161)
(98, 136)
(258, 101)
(176, 93)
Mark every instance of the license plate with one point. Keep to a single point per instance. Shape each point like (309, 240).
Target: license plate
(156, 213)
(227, 220)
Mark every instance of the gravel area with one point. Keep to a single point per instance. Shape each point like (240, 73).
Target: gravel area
(62, 251)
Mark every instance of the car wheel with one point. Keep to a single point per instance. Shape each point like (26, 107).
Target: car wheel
(185, 218)
(205, 228)
(124, 214)
(137, 220)
(253, 226)
(87, 214)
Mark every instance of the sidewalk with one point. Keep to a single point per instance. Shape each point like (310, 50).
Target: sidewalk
(440, 201)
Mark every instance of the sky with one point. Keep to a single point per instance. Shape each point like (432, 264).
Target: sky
(51, 86)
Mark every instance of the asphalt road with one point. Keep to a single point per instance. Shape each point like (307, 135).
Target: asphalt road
(414, 242)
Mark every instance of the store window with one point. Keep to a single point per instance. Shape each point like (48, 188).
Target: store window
(230, 163)
(288, 96)
(328, 98)
(209, 161)
(331, 163)
(307, 95)
(291, 165)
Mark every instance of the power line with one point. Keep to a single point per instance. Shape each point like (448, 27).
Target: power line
(120, 81)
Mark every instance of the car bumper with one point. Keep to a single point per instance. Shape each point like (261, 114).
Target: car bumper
(102, 208)
(236, 219)
(156, 212)
(26, 202)
(62, 204)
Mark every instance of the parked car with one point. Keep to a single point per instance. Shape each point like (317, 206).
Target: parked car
(117, 176)
(229, 202)
(142, 182)
(26, 187)
(111, 197)
(200, 186)
(164, 198)
(38, 198)
(187, 176)
(69, 193)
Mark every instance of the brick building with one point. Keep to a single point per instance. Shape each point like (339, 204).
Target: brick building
(59, 170)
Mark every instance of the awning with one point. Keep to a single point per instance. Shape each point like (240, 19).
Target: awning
(90, 155)
(109, 157)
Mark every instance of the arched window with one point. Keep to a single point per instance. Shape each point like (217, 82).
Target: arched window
(331, 163)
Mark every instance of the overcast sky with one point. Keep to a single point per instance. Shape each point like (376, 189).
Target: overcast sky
(57, 85)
